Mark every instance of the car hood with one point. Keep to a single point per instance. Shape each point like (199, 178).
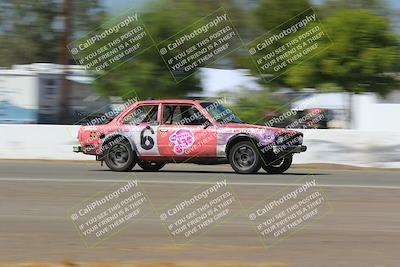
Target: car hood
(238, 127)
(264, 135)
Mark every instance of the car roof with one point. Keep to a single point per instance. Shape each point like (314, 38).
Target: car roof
(171, 101)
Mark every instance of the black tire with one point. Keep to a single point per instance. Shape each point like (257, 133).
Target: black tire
(151, 166)
(278, 166)
(244, 158)
(120, 157)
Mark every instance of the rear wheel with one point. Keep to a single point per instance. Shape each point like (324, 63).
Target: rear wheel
(120, 157)
(278, 166)
(151, 166)
(244, 157)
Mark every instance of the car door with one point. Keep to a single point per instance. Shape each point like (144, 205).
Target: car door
(185, 133)
(141, 126)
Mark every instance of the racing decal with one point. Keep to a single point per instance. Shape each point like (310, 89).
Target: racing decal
(93, 135)
(146, 141)
(182, 139)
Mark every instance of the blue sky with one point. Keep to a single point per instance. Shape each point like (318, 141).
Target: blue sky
(116, 6)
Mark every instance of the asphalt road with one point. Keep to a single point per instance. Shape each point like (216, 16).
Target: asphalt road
(359, 223)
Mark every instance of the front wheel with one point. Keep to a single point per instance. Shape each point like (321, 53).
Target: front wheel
(244, 158)
(120, 157)
(278, 166)
(151, 166)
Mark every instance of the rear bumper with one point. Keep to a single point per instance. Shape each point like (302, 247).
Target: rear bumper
(77, 149)
(289, 149)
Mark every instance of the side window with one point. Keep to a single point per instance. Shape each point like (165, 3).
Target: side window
(168, 114)
(183, 115)
(142, 114)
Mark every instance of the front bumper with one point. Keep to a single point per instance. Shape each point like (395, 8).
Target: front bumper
(78, 149)
(283, 149)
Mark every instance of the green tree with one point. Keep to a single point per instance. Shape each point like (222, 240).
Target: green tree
(30, 30)
(147, 75)
(273, 15)
(258, 107)
(377, 7)
(363, 57)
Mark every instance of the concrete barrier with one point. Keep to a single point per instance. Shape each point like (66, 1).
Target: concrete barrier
(52, 142)
(350, 147)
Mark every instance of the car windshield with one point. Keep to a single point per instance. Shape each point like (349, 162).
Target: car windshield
(219, 113)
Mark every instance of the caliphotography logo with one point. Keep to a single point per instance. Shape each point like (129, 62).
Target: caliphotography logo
(108, 213)
(196, 213)
(200, 44)
(288, 211)
(111, 44)
(289, 44)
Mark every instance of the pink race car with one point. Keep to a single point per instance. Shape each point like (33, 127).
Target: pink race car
(153, 133)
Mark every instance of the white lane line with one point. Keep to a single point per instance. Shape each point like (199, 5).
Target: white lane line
(191, 182)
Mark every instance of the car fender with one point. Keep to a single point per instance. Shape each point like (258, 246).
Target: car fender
(125, 135)
(235, 137)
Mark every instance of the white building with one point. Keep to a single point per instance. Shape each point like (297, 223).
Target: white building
(30, 93)
(368, 110)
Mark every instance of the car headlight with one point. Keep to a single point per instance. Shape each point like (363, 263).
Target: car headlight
(300, 139)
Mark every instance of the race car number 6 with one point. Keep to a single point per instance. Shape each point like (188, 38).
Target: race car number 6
(146, 141)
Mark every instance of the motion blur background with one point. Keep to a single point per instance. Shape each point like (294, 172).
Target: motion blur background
(363, 60)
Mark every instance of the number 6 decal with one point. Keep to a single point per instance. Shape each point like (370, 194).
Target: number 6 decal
(146, 141)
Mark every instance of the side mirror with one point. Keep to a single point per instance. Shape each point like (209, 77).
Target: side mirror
(206, 124)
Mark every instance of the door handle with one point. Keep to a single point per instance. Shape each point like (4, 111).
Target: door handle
(163, 130)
